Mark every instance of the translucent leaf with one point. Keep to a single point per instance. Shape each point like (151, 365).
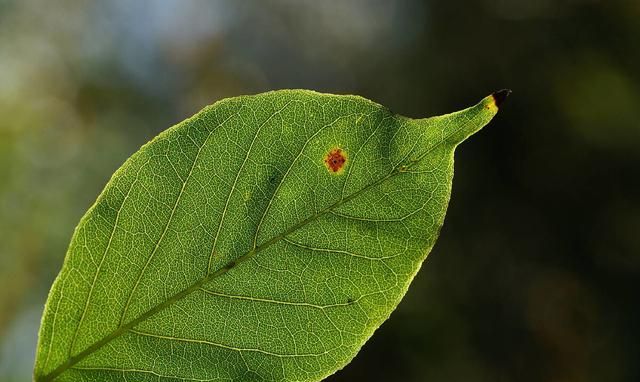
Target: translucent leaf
(265, 238)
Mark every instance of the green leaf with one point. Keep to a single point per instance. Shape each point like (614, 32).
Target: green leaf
(264, 238)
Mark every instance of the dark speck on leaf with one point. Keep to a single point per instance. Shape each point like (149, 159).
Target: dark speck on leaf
(500, 96)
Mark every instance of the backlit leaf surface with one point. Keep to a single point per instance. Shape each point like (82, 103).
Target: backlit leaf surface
(263, 239)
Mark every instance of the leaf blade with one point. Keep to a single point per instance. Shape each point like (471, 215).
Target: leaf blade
(285, 175)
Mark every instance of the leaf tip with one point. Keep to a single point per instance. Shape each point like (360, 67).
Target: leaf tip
(500, 96)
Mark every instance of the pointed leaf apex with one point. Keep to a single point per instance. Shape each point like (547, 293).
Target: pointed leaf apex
(500, 96)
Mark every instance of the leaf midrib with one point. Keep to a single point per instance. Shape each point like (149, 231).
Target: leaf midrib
(396, 170)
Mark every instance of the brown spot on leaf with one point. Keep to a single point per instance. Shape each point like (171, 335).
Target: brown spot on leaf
(335, 160)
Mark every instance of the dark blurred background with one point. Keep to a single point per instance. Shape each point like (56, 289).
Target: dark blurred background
(535, 276)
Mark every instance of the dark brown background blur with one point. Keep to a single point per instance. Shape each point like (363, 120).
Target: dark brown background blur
(535, 276)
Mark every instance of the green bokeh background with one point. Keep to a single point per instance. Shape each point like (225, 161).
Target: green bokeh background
(536, 274)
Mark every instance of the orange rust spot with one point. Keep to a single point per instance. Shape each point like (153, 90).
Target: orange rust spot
(335, 160)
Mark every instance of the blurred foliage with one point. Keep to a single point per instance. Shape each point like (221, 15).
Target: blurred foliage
(535, 275)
